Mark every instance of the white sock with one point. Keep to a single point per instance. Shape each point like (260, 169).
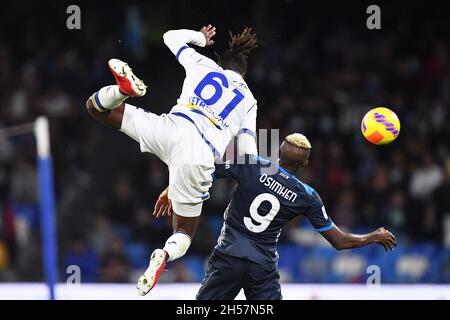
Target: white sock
(108, 98)
(177, 245)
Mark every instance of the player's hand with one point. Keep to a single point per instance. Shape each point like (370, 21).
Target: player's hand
(385, 238)
(208, 32)
(163, 206)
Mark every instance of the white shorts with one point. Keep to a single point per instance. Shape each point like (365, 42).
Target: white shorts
(178, 143)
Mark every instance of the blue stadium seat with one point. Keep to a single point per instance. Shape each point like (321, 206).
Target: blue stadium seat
(368, 251)
(195, 265)
(387, 261)
(435, 273)
(29, 212)
(444, 265)
(431, 254)
(348, 266)
(123, 232)
(425, 248)
(290, 255)
(314, 264)
(215, 223)
(138, 255)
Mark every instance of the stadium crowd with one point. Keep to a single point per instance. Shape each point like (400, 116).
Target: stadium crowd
(316, 79)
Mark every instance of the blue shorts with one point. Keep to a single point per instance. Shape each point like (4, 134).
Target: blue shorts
(227, 275)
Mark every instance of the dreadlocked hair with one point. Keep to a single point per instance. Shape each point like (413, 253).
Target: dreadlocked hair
(240, 46)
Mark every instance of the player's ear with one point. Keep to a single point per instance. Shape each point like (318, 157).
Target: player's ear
(305, 163)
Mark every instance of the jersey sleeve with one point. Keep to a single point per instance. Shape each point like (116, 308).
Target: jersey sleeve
(177, 41)
(247, 133)
(231, 169)
(317, 215)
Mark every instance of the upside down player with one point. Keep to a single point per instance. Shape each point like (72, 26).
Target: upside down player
(245, 256)
(215, 105)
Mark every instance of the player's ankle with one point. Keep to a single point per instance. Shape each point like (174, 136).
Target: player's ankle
(166, 256)
(123, 93)
(108, 98)
(176, 246)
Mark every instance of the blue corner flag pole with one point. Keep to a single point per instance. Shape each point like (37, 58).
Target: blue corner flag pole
(47, 203)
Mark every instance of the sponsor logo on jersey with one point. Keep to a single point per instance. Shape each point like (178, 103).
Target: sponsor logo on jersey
(198, 104)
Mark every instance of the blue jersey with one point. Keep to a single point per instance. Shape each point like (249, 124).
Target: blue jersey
(261, 205)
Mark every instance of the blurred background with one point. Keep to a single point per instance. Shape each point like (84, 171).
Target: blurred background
(317, 70)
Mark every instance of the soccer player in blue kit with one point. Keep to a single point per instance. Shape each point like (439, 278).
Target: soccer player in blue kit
(245, 256)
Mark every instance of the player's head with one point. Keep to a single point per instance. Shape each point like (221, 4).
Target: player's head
(294, 152)
(240, 46)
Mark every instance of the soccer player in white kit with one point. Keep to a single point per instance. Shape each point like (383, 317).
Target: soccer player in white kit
(215, 106)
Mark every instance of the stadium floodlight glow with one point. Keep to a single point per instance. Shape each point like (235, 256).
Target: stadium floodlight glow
(47, 202)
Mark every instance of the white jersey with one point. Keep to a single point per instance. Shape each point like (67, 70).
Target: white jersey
(217, 101)
(216, 105)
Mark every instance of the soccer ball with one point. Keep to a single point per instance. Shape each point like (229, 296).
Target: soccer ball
(380, 126)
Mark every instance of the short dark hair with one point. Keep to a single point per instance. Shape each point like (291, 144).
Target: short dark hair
(240, 46)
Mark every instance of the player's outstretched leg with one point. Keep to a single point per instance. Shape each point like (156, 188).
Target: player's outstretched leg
(148, 280)
(127, 81)
(184, 225)
(128, 85)
(175, 247)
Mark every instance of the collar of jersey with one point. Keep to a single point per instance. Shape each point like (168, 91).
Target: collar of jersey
(290, 175)
(308, 189)
(235, 72)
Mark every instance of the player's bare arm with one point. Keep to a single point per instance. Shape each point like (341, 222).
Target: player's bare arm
(341, 240)
(294, 155)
